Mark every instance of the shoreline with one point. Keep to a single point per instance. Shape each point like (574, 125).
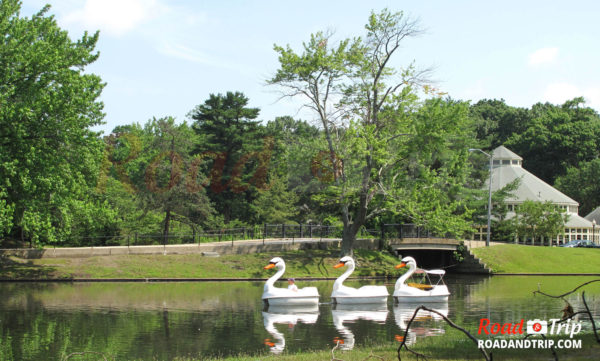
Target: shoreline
(239, 279)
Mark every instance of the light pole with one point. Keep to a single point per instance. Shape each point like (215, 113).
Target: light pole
(489, 214)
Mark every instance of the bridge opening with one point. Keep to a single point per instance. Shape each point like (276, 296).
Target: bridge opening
(430, 259)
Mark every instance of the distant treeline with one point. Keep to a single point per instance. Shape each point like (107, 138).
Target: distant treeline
(225, 167)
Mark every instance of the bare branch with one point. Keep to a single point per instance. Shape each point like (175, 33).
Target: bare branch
(448, 321)
(568, 293)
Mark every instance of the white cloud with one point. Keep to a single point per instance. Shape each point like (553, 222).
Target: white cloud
(115, 17)
(558, 93)
(543, 56)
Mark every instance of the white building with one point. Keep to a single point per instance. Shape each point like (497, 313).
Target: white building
(507, 166)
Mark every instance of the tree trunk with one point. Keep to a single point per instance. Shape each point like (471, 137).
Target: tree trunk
(166, 229)
(348, 238)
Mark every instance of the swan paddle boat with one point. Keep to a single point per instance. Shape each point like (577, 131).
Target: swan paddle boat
(416, 292)
(275, 296)
(348, 295)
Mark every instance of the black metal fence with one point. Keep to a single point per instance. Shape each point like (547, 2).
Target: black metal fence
(257, 232)
(408, 230)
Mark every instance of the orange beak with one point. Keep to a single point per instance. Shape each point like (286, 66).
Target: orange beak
(269, 266)
(401, 265)
(338, 340)
(339, 265)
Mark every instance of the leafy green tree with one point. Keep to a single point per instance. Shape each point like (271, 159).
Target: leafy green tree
(539, 219)
(171, 183)
(496, 122)
(431, 174)
(232, 139)
(558, 137)
(297, 144)
(276, 204)
(581, 183)
(364, 107)
(49, 157)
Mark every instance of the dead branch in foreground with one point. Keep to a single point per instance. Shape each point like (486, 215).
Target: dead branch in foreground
(567, 293)
(448, 321)
(568, 312)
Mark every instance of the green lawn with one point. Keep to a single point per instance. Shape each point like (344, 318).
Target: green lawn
(308, 263)
(511, 258)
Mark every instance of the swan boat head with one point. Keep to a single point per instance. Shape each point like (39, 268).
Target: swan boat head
(431, 293)
(346, 261)
(408, 261)
(275, 296)
(275, 262)
(365, 294)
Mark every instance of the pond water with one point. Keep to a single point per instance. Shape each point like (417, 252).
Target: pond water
(163, 321)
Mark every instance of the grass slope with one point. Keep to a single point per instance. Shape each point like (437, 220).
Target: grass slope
(511, 258)
(300, 264)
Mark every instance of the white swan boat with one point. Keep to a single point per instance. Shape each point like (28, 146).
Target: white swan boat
(412, 292)
(348, 295)
(275, 296)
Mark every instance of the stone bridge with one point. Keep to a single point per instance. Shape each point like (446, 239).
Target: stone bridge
(437, 244)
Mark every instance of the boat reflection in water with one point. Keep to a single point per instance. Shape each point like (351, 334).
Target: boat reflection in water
(286, 315)
(426, 323)
(349, 313)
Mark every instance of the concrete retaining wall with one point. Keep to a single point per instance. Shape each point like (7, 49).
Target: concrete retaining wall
(221, 248)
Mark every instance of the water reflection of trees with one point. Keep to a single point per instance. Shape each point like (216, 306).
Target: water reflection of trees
(162, 321)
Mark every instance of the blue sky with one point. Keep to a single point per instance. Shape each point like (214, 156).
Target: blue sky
(164, 57)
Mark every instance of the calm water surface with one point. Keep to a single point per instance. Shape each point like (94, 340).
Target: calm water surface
(163, 321)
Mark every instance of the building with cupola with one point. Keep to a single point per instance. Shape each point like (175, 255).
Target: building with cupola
(506, 168)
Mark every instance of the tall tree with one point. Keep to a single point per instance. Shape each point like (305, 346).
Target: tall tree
(230, 136)
(558, 137)
(581, 183)
(168, 181)
(364, 107)
(496, 121)
(539, 219)
(49, 157)
(296, 144)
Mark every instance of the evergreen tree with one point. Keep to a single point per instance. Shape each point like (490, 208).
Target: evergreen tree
(237, 155)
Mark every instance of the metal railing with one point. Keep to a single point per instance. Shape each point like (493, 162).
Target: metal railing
(257, 232)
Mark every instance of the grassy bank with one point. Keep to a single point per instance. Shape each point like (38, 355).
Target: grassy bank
(454, 346)
(511, 258)
(299, 264)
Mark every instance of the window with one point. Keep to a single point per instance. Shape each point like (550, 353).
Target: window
(506, 161)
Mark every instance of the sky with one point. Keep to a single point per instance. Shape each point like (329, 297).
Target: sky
(164, 57)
